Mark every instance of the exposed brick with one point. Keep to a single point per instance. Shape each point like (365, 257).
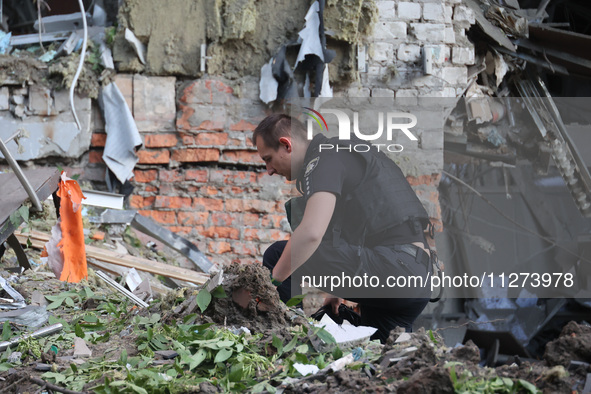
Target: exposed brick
(244, 248)
(139, 202)
(379, 92)
(243, 125)
(160, 140)
(250, 219)
(173, 202)
(221, 232)
(98, 140)
(193, 218)
(383, 52)
(233, 177)
(125, 84)
(196, 175)
(409, 11)
(219, 247)
(390, 31)
(207, 91)
(211, 139)
(254, 206)
(209, 190)
(95, 156)
(463, 15)
(266, 235)
(273, 221)
(187, 139)
(164, 217)
(242, 157)
(151, 189)
(208, 204)
(409, 53)
(181, 229)
(171, 176)
(196, 155)
(144, 176)
(461, 55)
(433, 12)
(202, 118)
(428, 32)
(386, 9)
(449, 35)
(154, 103)
(154, 156)
(223, 219)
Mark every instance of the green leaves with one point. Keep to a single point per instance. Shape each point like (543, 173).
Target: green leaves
(203, 299)
(295, 300)
(223, 355)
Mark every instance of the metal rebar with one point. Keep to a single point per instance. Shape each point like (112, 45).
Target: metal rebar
(37, 334)
(121, 289)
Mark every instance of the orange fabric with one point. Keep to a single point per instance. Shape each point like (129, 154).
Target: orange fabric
(72, 243)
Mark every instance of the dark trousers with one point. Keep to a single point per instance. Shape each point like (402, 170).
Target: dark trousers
(377, 309)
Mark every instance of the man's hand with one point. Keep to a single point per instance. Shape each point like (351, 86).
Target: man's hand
(334, 302)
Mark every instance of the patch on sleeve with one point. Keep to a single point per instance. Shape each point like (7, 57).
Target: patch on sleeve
(311, 165)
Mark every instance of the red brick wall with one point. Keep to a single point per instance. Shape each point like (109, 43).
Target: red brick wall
(198, 173)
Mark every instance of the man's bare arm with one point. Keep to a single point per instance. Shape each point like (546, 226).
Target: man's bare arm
(307, 236)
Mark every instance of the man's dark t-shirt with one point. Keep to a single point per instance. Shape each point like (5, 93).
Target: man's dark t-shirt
(340, 173)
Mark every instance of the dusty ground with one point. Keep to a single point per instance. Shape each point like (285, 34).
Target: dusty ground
(113, 329)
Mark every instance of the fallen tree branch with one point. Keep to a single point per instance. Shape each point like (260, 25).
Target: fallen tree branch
(51, 386)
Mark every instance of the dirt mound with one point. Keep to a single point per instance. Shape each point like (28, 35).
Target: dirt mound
(574, 343)
(427, 381)
(264, 312)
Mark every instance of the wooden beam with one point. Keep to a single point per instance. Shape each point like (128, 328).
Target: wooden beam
(39, 239)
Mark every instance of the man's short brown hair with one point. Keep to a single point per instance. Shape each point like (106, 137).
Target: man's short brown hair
(276, 126)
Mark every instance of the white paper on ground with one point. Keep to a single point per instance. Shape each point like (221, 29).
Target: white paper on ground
(346, 333)
(306, 369)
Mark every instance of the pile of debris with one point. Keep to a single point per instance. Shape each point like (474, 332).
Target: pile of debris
(201, 340)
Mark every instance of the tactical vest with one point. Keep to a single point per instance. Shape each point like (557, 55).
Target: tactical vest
(383, 200)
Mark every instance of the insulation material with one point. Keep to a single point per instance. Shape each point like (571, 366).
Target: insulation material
(66, 249)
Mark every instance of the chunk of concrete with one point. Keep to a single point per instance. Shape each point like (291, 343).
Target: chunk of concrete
(4, 98)
(40, 101)
(81, 350)
(57, 137)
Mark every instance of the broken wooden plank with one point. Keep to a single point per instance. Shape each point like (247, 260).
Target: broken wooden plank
(494, 32)
(39, 239)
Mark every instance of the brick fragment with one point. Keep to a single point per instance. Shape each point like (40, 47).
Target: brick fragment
(144, 176)
(164, 217)
(154, 156)
(160, 140)
(196, 155)
(192, 218)
(208, 204)
(173, 202)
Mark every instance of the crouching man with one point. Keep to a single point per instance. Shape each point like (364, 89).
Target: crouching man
(361, 219)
